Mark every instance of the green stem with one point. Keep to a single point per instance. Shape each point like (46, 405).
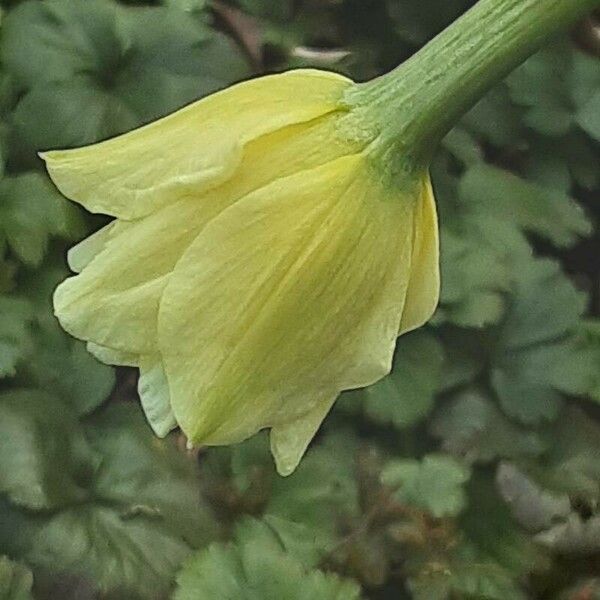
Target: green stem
(418, 102)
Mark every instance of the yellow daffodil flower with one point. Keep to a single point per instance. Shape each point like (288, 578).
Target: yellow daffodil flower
(258, 263)
(270, 242)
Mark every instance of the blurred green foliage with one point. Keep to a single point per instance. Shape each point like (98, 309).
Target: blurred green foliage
(472, 471)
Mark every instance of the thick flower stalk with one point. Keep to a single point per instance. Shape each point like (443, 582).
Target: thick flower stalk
(271, 242)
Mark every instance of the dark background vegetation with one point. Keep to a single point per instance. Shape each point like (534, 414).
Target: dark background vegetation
(472, 471)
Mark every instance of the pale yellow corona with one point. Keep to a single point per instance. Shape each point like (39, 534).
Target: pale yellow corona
(258, 263)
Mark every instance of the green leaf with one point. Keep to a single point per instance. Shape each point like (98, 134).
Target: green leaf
(585, 85)
(322, 493)
(472, 427)
(562, 165)
(57, 362)
(66, 114)
(16, 316)
(523, 382)
(8, 97)
(310, 504)
(546, 212)
(123, 555)
(8, 269)
(584, 76)
(139, 516)
(535, 343)
(485, 581)
(579, 374)
(44, 458)
(571, 463)
(545, 307)
(495, 118)
(245, 461)
(147, 476)
(492, 532)
(461, 144)
(587, 116)
(548, 164)
(559, 86)
(256, 567)
(16, 581)
(172, 59)
(435, 483)
(193, 6)
(468, 577)
(61, 37)
(300, 540)
(529, 380)
(63, 365)
(477, 262)
(92, 69)
(541, 85)
(31, 212)
(406, 396)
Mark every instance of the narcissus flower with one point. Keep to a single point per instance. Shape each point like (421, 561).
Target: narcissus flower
(259, 263)
(271, 242)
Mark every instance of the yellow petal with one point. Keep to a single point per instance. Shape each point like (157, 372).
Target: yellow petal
(289, 439)
(110, 356)
(295, 290)
(154, 395)
(424, 283)
(191, 150)
(81, 255)
(125, 266)
(287, 151)
(113, 302)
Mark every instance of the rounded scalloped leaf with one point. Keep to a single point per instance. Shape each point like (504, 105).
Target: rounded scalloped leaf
(90, 69)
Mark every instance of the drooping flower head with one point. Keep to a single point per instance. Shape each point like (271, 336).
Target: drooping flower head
(259, 261)
(270, 242)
